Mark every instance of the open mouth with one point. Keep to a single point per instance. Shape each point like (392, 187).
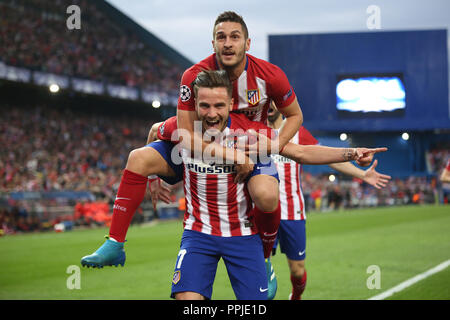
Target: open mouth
(228, 54)
(271, 111)
(212, 124)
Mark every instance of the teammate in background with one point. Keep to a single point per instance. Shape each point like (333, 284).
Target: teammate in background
(445, 175)
(255, 83)
(291, 233)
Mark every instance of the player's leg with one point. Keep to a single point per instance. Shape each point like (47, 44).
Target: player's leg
(244, 262)
(292, 240)
(195, 267)
(187, 295)
(298, 278)
(264, 191)
(154, 158)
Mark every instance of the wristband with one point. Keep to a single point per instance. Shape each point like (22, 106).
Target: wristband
(151, 179)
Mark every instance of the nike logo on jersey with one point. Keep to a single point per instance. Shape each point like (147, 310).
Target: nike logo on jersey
(263, 290)
(300, 253)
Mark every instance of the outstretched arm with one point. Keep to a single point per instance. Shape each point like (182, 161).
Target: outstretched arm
(314, 154)
(370, 176)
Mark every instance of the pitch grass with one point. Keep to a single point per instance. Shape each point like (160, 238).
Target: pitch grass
(401, 241)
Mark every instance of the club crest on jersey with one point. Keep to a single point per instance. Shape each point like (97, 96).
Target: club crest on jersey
(253, 96)
(176, 276)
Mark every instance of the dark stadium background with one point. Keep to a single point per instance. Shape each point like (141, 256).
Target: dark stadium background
(62, 153)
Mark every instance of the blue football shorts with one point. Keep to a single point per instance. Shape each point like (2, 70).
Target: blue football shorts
(173, 159)
(196, 265)
(292, 239)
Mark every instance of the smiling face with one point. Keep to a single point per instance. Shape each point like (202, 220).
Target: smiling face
(213, 107)
(230, 44)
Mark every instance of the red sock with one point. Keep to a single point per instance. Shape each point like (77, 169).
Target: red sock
(298, 286)
(129, 196)
(267, 223)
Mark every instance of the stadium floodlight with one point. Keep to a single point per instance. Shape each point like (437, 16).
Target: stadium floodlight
(54, 88)
(331, 177)
(343, 136)
(405, 136)
(156, 104)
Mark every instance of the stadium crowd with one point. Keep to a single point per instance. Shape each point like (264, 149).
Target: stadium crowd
(33, 34)
(322, 195)
(46, 149)
(50, 149)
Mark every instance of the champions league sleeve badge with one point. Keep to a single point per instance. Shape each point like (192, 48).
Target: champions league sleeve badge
(185, 93)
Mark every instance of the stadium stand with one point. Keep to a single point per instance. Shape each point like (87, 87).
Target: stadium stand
(62, 155)
(323, 195)
(34, 36)
(48, 150)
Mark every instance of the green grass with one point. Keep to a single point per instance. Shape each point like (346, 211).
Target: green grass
(402, 241)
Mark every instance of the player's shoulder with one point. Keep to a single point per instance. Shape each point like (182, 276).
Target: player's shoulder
(263, 66)
(240, 121)
(305, 137)
(166, 128)
(206, 64)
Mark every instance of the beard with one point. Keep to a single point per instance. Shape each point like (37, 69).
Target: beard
(239, 57)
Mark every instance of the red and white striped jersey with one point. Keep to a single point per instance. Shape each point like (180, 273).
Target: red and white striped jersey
(259, 83)
(214, 203)
(291, 195)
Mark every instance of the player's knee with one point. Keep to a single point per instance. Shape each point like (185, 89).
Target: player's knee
(264, 191)
(266, 199)
(297, 269)
(135, 156)
(138, 161)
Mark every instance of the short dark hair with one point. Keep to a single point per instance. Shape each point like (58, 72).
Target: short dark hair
(231, 16)
(212, 79)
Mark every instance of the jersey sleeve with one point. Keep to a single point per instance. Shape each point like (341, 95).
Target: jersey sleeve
(447, 167)
(306, 138)
(186, 97)
(282, 92)
(262, 129)
(166, 130)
